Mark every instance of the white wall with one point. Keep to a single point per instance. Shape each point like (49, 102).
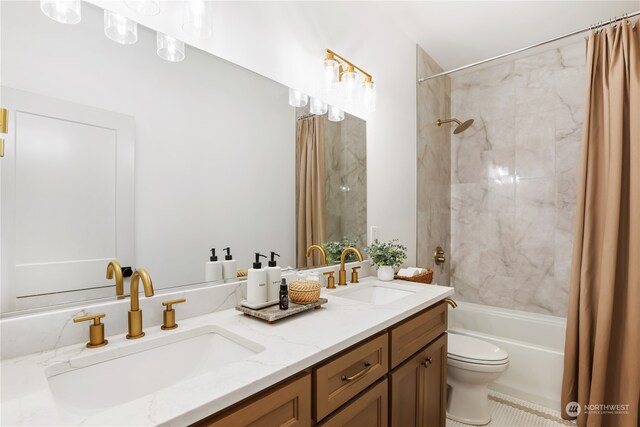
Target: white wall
(285, 41)
(204, 128)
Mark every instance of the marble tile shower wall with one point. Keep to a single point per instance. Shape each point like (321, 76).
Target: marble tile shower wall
(346, 180)
(434, 167)
(513, 180)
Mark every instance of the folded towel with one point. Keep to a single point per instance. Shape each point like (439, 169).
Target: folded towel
(411, 271)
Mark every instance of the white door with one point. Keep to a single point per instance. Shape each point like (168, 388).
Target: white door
(67, 198)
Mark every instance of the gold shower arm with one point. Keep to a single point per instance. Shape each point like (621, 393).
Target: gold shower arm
(441, 122)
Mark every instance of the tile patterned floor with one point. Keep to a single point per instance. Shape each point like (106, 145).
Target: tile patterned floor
(507, 411)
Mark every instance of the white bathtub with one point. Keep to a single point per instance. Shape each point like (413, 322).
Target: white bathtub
(535, 343)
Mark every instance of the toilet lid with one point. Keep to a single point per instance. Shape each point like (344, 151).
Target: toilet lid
(473, 350)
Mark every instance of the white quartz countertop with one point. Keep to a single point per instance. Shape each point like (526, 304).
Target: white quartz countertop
(290, 346)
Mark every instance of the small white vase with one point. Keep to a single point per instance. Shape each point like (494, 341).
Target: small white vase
(385, 273)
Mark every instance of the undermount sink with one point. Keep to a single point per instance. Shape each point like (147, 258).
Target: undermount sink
(377, 292)
(94, 382)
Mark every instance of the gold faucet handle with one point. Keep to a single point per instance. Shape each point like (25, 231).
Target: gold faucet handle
(168, 304)
(354, 274)
(169, 314)
(331, 281)
(96, 331)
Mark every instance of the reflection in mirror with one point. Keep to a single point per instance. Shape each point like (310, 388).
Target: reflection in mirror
(115, 154)
(331, 187)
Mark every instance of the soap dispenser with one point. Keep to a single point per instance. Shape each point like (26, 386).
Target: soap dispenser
(257, 283)
(213, 268)
(274, 274)
(229, 269)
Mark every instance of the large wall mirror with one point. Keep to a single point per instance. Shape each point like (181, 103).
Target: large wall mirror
(114, 153)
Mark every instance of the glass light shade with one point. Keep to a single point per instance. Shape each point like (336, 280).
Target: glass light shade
(318, 107)
(330, 73)
(63, 11)
(369, 95)
(297, 98)
(197, 18)
(349, 80)
(144, 7)
(169, 48)
(335, 114)
(120, 29)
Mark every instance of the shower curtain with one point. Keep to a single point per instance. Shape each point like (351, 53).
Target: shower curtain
(310, 191)
(602, 348)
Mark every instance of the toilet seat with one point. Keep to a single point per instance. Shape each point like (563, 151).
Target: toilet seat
(473, 351)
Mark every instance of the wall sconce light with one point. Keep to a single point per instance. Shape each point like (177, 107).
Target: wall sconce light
(339, 71)
(335, 114)
(62, 11)
(317, 106)
(297, 98)
(169, 48)
(120, 29)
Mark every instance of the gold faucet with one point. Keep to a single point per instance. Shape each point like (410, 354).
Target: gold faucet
(135, 314)
(319, 248)
(114, 268)
(342, 274)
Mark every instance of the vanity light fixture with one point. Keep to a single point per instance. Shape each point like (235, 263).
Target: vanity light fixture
(144, 7)
(340, 72)
(62, 11)
(335, 114)
(198, 18)
(369, 94)
(120, 29)
(297, 98)
(169, 48)
(317, 106)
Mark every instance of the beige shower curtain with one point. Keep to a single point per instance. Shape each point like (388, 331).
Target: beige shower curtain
(310, 173)
(602, 349)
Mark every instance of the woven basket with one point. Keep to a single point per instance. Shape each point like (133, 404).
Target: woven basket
(425, 277)
(304, 291)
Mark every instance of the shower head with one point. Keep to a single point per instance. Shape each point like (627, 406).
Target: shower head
(462, 126)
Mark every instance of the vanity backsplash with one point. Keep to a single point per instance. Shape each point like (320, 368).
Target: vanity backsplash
(49, 330)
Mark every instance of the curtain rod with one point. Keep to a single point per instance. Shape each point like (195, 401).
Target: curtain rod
(573, 33)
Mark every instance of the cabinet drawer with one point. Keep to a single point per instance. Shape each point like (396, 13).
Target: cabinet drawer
(344, 376)
(286, 405)
(370, 409)
(418, 331)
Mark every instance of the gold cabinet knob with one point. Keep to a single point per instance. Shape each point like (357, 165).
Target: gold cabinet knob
(331, 281)
(96, 331)
(354, 274)
(169, 314)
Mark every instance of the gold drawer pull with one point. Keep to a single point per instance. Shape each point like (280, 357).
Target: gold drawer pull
(367, 368)
(427, 362)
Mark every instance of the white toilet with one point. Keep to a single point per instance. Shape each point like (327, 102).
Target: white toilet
(472, 364)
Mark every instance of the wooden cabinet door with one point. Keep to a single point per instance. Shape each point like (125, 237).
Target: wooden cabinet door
(286, 405)
(418, 388)
(434, 383)
(370, 409)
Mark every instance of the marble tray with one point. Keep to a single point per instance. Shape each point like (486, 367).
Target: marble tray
(271, 314)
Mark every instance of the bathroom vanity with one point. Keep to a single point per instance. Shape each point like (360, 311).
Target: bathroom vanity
(397, 377)
(375, 354)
